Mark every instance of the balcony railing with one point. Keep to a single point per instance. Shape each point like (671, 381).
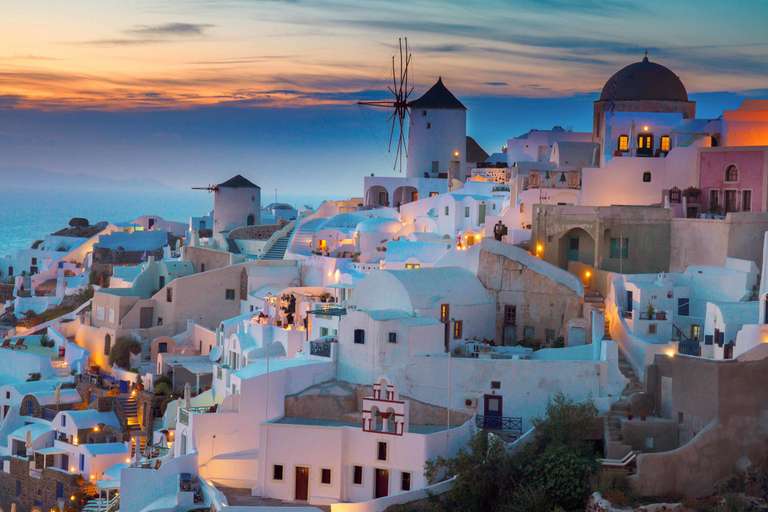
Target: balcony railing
(658, 315)
(48, 414)
(503, 423)
(626, 314)
(184, 413)
(320, 348)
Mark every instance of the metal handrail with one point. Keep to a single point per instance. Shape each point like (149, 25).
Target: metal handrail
(680, 333)
(503, 423)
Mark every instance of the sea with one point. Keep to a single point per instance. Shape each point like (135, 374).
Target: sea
(29, 215)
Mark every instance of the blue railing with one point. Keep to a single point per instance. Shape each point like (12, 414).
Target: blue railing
(658, 315)
(184, 413)
(48, 414)
(689, 347)
(626, 314)
(320, 348)
(503, 423)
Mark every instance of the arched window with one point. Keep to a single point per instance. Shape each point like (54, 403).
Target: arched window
(107, 344)
(623, 142)
(731, 173)
(251, 220)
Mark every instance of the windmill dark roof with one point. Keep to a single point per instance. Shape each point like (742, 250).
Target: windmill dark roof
(237, 182)
(438, 97)
(474, 152)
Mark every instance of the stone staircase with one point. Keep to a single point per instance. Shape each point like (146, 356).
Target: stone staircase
(131, 411)
(146, 351)
(141, 441)
(593, 298)
(614, 445)
(277, 251)
(302, 237)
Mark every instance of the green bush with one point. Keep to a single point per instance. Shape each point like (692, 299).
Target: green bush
(559, 342)
(163, 389)
(120, 353)
(35, 376)
(163, 379)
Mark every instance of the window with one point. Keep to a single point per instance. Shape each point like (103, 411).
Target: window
(359, 336)
(63, 421)
(549, 336)
(277, 472)
(429, 125)
(18, 487)
(323, 331)
(675, 195)
(683, 306)
(730, 200)
(713, 199)
(623, 142)
(445, 312)
(184, 443)
(651, 328)
(7, 395)
(447, 210)
(619, 248)
(202, 267)
(647, 177)
(162, 347)
(100, 313)
(466, 211)
(510, 315)
(458, 328)
(423, 113)
(30, 408)
(59, 490)
(495, 384)
(34, 261)
(665, 142)
(169, 295)
(357, 475)
(412, 265)
(82, 462)
(529, 332)
(325, 476)
(159, 320)
(731, 173)
(573, 244)
(405, 481)
(111, 316)
(746, 200)
(381, 450)
(432, 194)
(161, 282)
(392, 337)
(696, 332)
(435, 166)
(107, 344)
(10, 271)
(230, 294)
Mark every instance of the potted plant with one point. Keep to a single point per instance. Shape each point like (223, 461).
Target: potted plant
(643, 415)
(44, 340)
(650, 310)
(80, 479)
(139, 383)
(628, 412)
(692, 193)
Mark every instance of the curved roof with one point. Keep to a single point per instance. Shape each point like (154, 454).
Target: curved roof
(379, 225)
(644, 80)
(438, 97)
(90, 418)
(423, 288)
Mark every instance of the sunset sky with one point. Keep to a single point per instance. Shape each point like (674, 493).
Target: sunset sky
(190, 92)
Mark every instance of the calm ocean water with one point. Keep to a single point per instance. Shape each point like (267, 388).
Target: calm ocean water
(29, 215)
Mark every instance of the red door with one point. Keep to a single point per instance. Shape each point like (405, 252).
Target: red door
(382, 483)
(302, 483)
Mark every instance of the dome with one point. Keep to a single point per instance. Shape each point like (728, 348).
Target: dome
(379, 225)
(644, 80)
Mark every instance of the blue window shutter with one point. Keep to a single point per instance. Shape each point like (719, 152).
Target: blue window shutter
(708, 339)
(683, 306)
(720, 338)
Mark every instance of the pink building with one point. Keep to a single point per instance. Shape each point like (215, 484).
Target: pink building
(733, 179)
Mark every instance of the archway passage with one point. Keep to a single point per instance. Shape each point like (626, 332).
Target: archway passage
(404, 195)
(576, 245)
(377, 196)
(251, 220)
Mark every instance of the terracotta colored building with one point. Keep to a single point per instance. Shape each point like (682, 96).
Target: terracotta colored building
(734, 179)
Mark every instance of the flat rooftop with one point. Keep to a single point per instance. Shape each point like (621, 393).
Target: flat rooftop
(322, 422)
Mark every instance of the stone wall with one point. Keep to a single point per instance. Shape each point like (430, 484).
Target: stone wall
(35, 492)
(263, 232)
(117, 257)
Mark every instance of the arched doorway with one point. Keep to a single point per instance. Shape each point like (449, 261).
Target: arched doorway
(576, 245)
(250, 220)
(107, 344)
(377, 196)
(404, 195)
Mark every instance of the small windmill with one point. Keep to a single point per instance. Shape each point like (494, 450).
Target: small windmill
(401, 91)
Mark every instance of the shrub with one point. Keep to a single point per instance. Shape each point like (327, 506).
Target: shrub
(120, 353)
(30, 313)
(163, 389)
(559, 342)
(44, 340)
(33, 377)
(531, 343)
(163, 379)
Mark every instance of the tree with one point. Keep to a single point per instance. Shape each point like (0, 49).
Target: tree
(120, 353)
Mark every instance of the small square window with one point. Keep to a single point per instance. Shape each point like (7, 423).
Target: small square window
(8, 395)
(432, 194)
(646, 177)
(429, 125)
(529, 332)
(159, 320)
(169, 294)
(359, 337)
(651, 328)
(466, 211)
(405, 481)
(357, 475)
(325, 476)
(495, 384)
(202, 267)
(446, 210)
(230, 294)
(381, 451)
(423, 113)
(392, 337)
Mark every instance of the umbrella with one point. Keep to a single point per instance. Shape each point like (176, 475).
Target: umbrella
(57, 396)
(29, 439)
(13, 507)
(632, 141)
(187, 396)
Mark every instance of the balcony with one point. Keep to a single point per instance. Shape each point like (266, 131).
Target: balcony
(502, 423)
(185, 412)
(626, 314)
(657, 315)
(553, 179)
(320, 348)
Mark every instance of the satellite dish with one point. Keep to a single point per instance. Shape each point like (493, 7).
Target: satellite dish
(215, 354)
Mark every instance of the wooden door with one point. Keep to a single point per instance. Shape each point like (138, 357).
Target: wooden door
(573, 248)
(302, 483)
(382, 483)
(492, 412)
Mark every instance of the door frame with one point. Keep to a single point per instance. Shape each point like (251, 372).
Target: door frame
(486, 399)
(295, 480)
(376, 481)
